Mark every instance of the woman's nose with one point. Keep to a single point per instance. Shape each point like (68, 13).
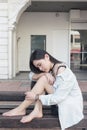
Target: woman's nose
(40, 68)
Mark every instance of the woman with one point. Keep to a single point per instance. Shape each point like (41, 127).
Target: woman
(62, 87)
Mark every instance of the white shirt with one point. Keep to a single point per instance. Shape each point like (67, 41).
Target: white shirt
(67, 95)
(31, 74)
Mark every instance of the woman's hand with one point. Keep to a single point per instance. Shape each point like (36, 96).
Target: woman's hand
(30, 96)
(50, 78)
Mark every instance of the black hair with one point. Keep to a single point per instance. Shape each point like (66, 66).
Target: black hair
(37, 55)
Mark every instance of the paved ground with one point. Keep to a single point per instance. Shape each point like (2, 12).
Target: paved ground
(22, 83)
(14, 85)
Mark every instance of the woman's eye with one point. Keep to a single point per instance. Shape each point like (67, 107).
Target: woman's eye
(39, 65)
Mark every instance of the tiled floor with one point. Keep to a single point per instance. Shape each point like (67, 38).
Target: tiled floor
(22, 83)
(14, 85)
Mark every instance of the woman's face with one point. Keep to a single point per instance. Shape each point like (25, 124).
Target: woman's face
(43, 64)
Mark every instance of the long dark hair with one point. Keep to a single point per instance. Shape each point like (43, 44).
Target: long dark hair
(37, 55)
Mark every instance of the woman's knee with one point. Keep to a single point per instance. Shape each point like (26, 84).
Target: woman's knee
(44, 79)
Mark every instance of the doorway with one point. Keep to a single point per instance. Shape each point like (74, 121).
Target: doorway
(79, 53)
(38, 42)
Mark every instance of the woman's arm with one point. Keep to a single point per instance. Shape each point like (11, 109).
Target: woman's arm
(35, 77)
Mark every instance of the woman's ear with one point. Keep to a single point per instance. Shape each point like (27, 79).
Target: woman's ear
(46, 56)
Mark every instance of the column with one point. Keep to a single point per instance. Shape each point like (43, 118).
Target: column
(10, 52)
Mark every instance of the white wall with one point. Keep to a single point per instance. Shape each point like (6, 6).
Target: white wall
(55, 28)
(61, 45)
(3, 40)
(80, 23)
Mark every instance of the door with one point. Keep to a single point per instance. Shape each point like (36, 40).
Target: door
(38, 42)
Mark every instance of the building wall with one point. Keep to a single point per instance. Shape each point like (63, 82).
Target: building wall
(56, 29)
(3, 40)
(79, 22)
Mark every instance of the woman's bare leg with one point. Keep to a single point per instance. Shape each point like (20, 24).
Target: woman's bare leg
(41, 85)
(18, 111)
(36, 113)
